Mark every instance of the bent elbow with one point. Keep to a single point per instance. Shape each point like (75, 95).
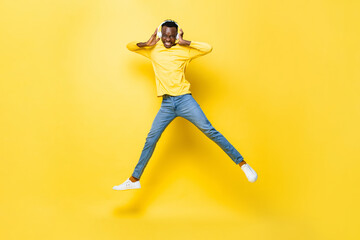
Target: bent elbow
(210, 48)
(132, 46)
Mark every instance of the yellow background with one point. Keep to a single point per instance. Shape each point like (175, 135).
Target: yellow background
(281, 84)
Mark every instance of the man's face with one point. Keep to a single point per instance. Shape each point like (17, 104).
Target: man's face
(168, 36)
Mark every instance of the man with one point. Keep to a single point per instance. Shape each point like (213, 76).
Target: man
(170, 60)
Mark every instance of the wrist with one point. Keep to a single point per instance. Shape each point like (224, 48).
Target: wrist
(186, 42)
(141, 44)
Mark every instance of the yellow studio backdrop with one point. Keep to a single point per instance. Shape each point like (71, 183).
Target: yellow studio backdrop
(281, 84)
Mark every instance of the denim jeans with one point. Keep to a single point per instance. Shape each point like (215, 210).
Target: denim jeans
(183, 106)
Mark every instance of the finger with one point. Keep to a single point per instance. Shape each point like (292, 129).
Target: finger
(155, 32)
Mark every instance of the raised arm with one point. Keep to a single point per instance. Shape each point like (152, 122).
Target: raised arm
(139, 48)
(144, 48)
(196, 49)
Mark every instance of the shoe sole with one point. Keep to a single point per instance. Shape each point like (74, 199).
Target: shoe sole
(126, 189)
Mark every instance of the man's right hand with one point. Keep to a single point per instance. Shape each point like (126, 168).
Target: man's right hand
(151, 42)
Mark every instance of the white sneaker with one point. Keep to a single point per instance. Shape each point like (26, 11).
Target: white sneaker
(249, 172)
(128, 184)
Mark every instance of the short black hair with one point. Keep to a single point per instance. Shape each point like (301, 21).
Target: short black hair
(170, 23)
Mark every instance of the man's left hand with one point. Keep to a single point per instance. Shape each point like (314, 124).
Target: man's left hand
(181, 41)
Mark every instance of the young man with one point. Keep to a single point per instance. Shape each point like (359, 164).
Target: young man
(170, 60)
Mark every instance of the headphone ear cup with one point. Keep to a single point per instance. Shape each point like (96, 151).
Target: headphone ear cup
(178, 33)
(159, 30)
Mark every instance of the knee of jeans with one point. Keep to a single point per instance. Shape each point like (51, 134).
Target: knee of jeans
(152, 137)
(210, 130)
(150, 141)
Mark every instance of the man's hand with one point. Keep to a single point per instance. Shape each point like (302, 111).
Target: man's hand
(151, 42)
(153, 39)
(181, 41)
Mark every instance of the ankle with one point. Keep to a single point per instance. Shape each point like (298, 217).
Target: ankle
(242, 163)
(133, 179)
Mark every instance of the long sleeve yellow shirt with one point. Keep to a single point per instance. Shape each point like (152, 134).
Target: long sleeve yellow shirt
(170, 64)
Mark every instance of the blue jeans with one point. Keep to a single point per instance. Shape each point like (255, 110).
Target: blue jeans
(184, 106)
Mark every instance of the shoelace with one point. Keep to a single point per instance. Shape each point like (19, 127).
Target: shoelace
(248, 169)
(128, 182)
(245, 166)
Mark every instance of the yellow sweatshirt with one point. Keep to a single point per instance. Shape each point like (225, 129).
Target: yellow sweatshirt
(170, 64)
